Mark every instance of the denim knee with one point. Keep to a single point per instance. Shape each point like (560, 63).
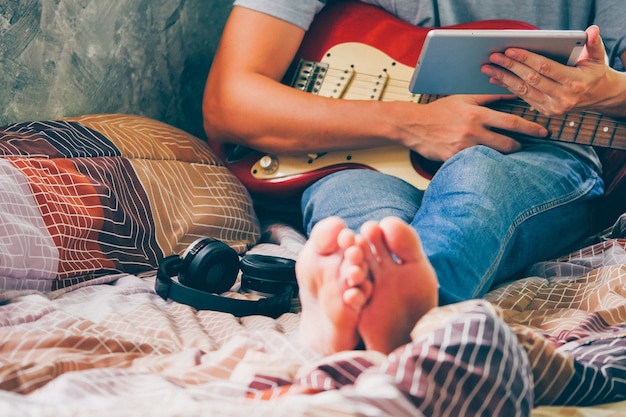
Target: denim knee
(359, 195)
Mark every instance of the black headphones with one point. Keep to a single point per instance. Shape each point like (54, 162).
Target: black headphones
(210, 267)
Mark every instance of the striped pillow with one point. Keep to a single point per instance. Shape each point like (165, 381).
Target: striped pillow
(85, 197)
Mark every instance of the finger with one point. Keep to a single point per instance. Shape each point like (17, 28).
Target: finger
(500, 142)
(514, 126)
(525, 73)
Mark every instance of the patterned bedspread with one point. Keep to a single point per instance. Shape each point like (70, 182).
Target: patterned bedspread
(551, 344)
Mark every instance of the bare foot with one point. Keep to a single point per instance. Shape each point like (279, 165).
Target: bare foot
(405, 285)
(334, 287)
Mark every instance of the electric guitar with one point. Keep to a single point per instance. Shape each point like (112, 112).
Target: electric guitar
(355, 51)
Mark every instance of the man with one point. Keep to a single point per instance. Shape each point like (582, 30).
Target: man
(496, 204)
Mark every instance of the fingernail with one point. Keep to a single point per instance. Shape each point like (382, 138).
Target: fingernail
(496, 59)
(511, 53)
(487, 70)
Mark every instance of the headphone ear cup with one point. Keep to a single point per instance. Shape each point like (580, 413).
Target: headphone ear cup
(209, 265)
(267, 275)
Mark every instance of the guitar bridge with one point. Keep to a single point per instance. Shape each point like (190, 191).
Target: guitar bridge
(315, 77)
(309, 76)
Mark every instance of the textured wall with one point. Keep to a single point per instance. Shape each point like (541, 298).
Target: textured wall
(71, 57)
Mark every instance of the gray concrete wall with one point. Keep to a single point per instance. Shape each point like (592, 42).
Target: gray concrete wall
(70, 57)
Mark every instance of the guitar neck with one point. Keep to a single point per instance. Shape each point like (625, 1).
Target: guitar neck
(390, 83)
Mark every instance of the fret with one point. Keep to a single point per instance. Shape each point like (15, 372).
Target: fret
(596, 132)
(608, 130)
(573, 123)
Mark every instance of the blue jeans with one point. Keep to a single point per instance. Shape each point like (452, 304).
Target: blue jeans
(484, 216)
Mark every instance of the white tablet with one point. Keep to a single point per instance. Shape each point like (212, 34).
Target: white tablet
(450, 59)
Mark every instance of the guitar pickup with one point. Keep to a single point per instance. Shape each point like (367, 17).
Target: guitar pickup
(368, 87)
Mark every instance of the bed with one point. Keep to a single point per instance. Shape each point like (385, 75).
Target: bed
(91, 202)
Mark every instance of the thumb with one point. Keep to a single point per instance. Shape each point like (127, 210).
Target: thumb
(594, 48)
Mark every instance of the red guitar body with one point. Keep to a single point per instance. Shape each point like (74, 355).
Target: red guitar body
(354, 21)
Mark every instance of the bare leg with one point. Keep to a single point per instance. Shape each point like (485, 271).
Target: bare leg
(334, 287)
(405, 285)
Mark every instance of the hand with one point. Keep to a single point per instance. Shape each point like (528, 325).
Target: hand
(450, 124)
(550, 87)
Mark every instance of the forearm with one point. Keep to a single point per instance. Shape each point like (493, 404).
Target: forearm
(244, 102)
(258, 113)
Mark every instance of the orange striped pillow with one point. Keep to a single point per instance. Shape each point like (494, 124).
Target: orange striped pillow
(89, 196)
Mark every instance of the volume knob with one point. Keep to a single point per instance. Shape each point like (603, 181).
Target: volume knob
(269, 164)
